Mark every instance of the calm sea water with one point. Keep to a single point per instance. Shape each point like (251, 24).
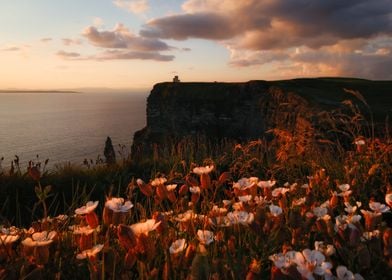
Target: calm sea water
(67, 127)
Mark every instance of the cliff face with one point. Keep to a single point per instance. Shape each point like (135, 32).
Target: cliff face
(245, 111)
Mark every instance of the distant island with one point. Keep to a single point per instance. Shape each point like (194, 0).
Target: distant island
(37, 91)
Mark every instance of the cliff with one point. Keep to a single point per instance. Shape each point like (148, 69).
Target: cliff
(244, 111)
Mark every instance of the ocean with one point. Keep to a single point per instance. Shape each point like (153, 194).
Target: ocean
(67, 127)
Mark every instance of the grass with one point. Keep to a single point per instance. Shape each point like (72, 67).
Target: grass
(257, 214)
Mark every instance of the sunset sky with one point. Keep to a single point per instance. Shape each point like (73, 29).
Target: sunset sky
(55, 44)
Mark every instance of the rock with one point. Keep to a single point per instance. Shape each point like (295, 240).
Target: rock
(246, 111)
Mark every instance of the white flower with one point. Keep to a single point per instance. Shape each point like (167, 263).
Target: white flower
(275, 210)
(279, 191)
(158, 181)
(245, 198)
(171, 187)
(238, 206)
(359, 142)
(205, 237)
(320, 212)
(378, 207)
(349, 208)
(90, 252)
(241, 217)
(220, 221)
(187, 216)
(278, 260)
(343, 273)
(226, 202)
(40, 239)
(116, 204)
(82, 230)
(145, 227)
(344, 187)
(299, 201)
(88, 208)
(388, 199)
(194, 190)
(203, 169)
(8, 239)
(178, 246)
(218, 211)
(368, 235)
(260, 200)
(312, 261)
(326, 249)
(245, 183)
(266, 184)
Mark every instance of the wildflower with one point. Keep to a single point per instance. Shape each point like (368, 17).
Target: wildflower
(38, 245)
(144, 188)
(87, 230)
(194, 190)
(388, 199)
(203, 172)
(117, 204)
(8, 239)
(172, 187)
(312, 261)
(342, 273)
(145, 227)
(178, 246)
(84, 236)
(299, 201)
(275, 210)
(90, 253)
(241, 217)
(279, 191)
(126, 237)
(368, 235)
(266, 184)
(245, 198)
(320, 212)
(245, 183)
(344, 187)
(185, 217)
(226, 202)
(359, 142)
(218, 211)
(88, 210)
(326, 249)
(205, 237)
(377, 207)
(158, 181)
(371, 219)
(203, 169)
(39, 239)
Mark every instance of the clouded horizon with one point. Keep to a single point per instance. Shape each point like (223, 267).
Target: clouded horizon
(136, 43)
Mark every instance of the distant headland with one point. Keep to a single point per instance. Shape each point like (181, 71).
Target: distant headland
(36, 91)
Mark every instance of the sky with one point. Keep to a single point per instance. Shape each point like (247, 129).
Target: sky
(57, 44)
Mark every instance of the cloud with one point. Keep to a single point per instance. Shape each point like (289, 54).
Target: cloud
(69, 42)
(265, 24)
(133, 6)
(121, 38)
(182, 27)
(351, 37)
(46, 40)
(68, 55)
(11, 49)
(119, 54)
(119, 44)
